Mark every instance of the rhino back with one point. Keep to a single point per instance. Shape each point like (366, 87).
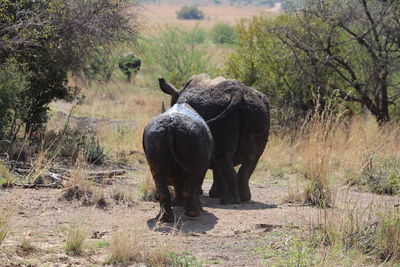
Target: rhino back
(210, 100)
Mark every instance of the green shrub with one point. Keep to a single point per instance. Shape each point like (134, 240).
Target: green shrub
(190, 12)
(222, 33)
(382, 177)
(100, 68)
(177, 54)
(71, 144)
(12, 83)
(388, 237)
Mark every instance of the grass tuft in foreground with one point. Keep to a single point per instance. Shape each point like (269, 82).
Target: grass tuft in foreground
(75, 240)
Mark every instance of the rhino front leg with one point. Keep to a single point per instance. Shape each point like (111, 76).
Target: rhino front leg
(217, 188)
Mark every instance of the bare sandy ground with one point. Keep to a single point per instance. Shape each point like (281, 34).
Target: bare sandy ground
(224, 235)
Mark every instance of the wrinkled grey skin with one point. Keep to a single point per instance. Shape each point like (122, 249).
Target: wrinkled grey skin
(178, 145)
(238, 117)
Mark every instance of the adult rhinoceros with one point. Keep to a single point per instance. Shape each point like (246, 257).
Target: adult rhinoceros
(238, 117)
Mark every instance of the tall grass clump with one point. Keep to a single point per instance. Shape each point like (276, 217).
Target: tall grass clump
(147, 189)
(6, 177)
(329, 149)
(373, 233)
(388, 236)
(4, 225)
(75, 240)
(315, 157)
(131, 247)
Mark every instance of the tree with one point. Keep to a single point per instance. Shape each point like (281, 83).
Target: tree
(190, 12)
(357, 41)
(177, 54)
(265, 63)
(52, 38)
(222, 33)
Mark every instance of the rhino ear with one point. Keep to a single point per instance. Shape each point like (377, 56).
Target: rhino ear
(167, 88)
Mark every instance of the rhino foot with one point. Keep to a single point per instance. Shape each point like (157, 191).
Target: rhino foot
(166, 217)
(215, 192)
(229, 199)
(193, 212)
(177, 202)
(245, 194)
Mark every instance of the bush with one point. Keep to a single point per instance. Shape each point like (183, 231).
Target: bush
(177, 54)
(381, 177)
(190, 12)
(71, 144)
(12, 83)
(100, 68)
(222, 33)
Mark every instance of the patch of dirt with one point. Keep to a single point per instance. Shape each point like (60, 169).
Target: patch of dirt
(224, 235)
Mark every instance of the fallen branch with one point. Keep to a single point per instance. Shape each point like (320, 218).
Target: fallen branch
(105, 174)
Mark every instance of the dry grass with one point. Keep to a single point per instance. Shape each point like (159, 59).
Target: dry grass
(131, 247)
(373, 231)
(74, 241)
(147, 188)
(166, 14)
(26, 245)
(329, 152)
(4, 225)
(81, 188)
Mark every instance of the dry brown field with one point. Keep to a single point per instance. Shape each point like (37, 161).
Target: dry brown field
(154, 15)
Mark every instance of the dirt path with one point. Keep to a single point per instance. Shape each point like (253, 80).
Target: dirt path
(230, 235)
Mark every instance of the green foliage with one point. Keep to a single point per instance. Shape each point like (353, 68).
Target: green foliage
(184, 260)
(176, 54)
(71, 144)
(291, 5)
(388, 237)
(190, 12)
(101, 68)
(13, 83)
(6, 177)
(129, 63)
(222, 33)
(49, 39)
(304, 58)
(264, 62)
(382, 177)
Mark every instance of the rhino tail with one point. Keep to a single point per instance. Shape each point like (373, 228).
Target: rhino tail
(171, 141)
(235, 100)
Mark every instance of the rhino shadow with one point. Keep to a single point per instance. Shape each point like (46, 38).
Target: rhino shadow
(248, 205)
(205, 222)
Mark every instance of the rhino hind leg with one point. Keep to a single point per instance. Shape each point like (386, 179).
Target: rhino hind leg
(229, 178)
(245, 171)
(178, 199)
(166, 214)
(193, 207)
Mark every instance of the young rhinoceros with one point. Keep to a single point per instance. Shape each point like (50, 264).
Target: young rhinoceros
(178, 145)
